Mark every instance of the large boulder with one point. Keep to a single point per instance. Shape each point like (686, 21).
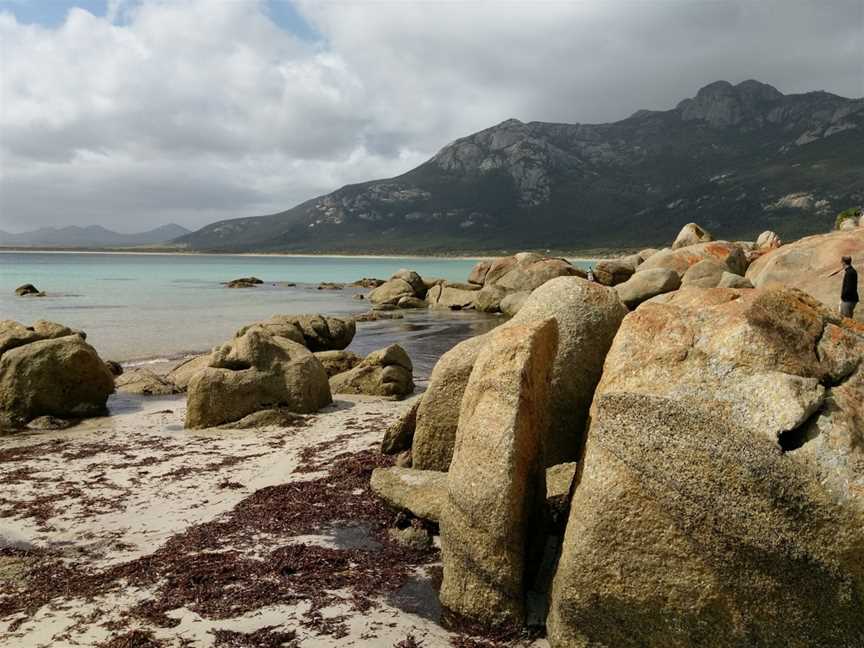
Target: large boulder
(611, 272)
(488, 299)
(689, 530)
(808, 264)
(775, 362)
(252, 372)
(420, 492)
(182, 374)
(448, 296)
(399, 435)
(496, 485)
(527, 272)
(387, 372)
(704, 274)
(478, 272)
(46, 373)
(412, 279)
(145, 383)
(390, 292)
(647, 284)
(691, 234)
(438, 412)
(315, 332)
(588, 317)
(513, 302)
(731, 255)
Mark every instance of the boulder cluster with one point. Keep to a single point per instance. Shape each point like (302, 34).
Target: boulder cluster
(493, 286)
(686, 472)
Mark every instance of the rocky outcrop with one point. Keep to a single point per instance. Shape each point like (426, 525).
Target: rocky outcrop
(647, 284)
(691, 234)
(145, 383)
(808, 264)
(731, 255)
(315, 332)
(496, 484)
(28, 290)
(336, 362)
(388, 372)
(689, 530)
(367, 282)
(420, 492)
(256, 371)
(525, 271)
(182, 374)
(775, 362)
(390, 292)
(49, 370)
(438, 412)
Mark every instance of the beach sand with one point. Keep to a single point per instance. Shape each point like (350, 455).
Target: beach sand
(131, 528)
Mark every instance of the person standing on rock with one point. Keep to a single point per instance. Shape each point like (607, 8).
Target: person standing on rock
(590, 276)
(849, 290)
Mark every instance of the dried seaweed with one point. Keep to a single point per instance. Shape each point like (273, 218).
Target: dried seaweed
(268, 637)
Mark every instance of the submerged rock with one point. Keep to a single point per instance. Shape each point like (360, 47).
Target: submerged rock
(244, 282)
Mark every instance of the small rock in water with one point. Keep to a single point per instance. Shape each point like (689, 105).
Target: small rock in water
(28, 290)
(244, 282)
(329, 285)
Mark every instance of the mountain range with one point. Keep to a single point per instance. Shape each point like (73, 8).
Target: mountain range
(93, 236)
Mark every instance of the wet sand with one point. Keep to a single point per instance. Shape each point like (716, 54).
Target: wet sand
(129, 529)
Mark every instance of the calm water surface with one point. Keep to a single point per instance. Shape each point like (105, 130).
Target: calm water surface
(137, 307)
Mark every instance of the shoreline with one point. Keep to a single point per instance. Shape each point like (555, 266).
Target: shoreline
(307, 255)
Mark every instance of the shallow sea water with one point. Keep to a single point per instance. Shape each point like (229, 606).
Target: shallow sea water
(139, 308)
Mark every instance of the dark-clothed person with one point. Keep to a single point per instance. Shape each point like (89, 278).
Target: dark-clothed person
(849, 290)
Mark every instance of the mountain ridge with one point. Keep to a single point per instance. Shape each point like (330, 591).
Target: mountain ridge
(91, 236)
(738, 158)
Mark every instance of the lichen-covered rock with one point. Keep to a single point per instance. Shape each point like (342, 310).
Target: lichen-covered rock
(529, 272)
(646, 284)
(808, 264)
(145, 383)
(336, 362)
(496, 484)
(691, 234)
(775, 362)
(46, 373)
(689, 530)
(421, 492)
(387, 372)
(253, 372)
(679, 260)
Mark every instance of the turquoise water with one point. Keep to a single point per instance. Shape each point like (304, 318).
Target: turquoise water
(137, 307)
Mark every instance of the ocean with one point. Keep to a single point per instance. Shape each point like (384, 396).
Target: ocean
(149, 308)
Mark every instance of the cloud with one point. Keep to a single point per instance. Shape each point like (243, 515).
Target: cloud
(197, 110)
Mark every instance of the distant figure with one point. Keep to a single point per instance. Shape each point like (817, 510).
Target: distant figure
(590, 276)
(849, 291)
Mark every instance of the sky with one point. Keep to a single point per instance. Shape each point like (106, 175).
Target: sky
(137, 113)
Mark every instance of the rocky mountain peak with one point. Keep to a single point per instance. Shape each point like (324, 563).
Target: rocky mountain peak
(723, 104)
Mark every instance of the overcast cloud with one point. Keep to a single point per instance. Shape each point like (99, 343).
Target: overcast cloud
(195, 110)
